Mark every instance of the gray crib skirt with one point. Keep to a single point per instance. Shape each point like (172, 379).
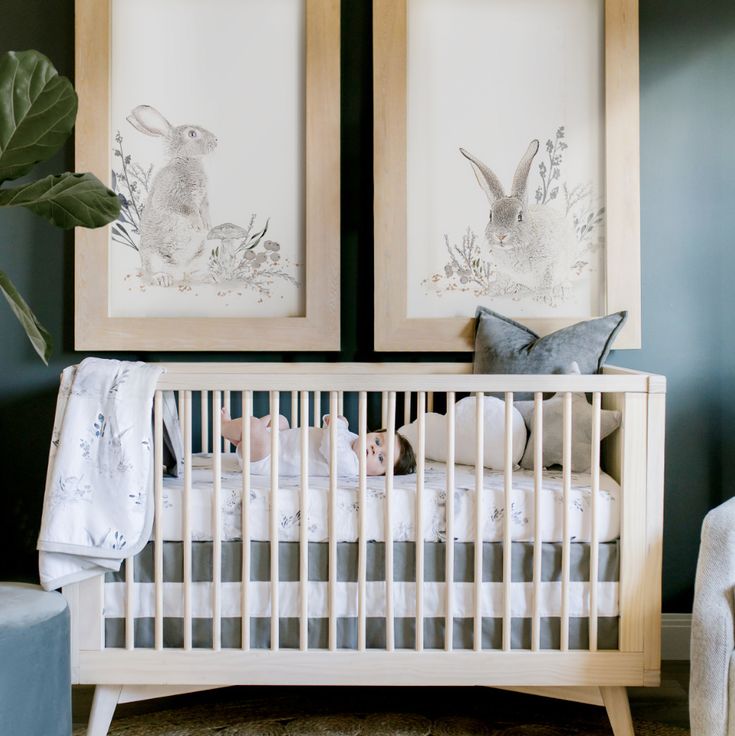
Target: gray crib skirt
(404, 570)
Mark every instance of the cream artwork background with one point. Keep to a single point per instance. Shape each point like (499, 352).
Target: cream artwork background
(203, 66)
(491, 76)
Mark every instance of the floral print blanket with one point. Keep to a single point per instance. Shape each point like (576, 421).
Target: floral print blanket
(97, 507)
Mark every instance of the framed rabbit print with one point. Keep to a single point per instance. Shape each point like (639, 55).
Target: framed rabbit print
(217, 124)
(506, 139)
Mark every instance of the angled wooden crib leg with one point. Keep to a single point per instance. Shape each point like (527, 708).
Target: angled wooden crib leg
(618, 710)
(103, 708)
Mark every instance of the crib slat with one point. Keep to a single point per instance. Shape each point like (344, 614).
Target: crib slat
(304, 527)
(594, 537)
(341, 404)
(274, 536)
(317, 408)
(158, 516)
(419, 534)
(247, 411)
(479, 518)
(333, 406)
(384, 410)
(566, 551)
(538, 429)
(507, 544)
(430, 401)
(362, 541)
(449, 571)
(389, 460)
(187, 520)
(216, 521)
(204, 447)
(294, 409)
(406, 407)
(130, 603)
(228, 408)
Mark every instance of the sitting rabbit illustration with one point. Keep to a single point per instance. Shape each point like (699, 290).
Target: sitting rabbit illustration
(531, 245)
(175, 221)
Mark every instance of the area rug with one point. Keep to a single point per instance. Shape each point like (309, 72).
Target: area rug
(278, 717)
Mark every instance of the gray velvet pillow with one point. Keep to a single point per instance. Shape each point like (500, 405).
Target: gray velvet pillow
(553, 431)
(505, 346)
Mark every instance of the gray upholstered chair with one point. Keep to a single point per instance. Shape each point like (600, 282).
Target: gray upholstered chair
(712, 684)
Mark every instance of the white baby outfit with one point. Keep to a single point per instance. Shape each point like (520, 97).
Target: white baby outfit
(289, 452)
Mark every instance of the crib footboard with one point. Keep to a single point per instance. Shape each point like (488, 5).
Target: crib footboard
(401, 606)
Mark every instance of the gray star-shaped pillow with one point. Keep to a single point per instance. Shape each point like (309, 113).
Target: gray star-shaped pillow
(553, 423)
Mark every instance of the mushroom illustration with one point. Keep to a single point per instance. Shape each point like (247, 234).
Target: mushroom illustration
(228, 234)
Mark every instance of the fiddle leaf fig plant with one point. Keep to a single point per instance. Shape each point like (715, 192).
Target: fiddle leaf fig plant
(38, 108)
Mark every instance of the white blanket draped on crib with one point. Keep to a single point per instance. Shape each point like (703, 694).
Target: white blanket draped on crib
(98, 508)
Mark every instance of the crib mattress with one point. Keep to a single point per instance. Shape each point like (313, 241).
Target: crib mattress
(404, 595)
(403, 505)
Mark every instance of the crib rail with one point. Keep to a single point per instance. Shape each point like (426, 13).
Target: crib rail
(633, 456)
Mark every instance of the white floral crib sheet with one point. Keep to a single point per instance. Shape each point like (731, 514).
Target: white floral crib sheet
(403, 506)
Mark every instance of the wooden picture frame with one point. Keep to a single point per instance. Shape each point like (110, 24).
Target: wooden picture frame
(319, 327)
(394, 329)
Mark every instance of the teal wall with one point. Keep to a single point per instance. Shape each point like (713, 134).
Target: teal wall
(688, 259)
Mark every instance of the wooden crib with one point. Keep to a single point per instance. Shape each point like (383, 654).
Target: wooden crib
(134, 670)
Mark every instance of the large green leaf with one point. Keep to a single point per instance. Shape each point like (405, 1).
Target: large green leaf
(39, 337)
(37, 111)
(67, 200)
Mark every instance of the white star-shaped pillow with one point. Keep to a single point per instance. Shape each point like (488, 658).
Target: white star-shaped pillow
(553, 423)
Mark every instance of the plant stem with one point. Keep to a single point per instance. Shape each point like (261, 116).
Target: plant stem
(127, 179)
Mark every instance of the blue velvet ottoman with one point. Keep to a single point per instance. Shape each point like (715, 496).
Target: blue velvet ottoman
(35, 674)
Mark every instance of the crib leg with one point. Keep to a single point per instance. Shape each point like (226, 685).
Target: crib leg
(103, 708)
(618, 710)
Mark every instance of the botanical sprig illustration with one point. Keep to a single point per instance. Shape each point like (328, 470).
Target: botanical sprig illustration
(555, 148)
(131, 182)
(467, 264)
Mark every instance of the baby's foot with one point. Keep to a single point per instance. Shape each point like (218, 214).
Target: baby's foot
(231, 428)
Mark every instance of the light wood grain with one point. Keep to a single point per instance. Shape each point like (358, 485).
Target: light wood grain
(304, 526)
(274, 409)
(319, 327)
(372, 667)
(103, 707)
(634, 457)
(538, 472)
(507, 501)
(247, 412)
(633, 584)
(217, 519)
(420, 469)
(449, 522)
(394, 330)
(618, 710)
(622, 167)
(654, 537)
(186, 521)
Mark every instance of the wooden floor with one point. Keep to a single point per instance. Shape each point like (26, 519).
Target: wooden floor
(667, 704)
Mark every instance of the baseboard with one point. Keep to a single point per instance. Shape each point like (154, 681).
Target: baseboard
(675, 634)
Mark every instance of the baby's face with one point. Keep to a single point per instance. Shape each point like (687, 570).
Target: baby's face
(376, 452)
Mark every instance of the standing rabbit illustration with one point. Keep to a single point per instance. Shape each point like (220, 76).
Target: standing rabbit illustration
(175, 221)
(532, 245)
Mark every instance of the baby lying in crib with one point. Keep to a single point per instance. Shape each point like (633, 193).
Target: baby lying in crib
(289, 448)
